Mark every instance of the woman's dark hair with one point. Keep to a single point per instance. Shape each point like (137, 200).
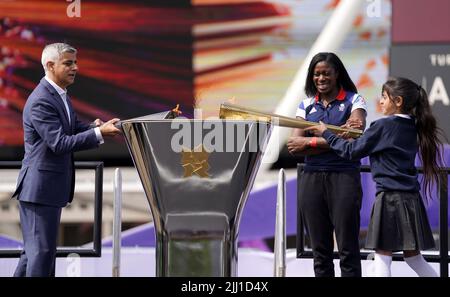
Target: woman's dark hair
(415, 103)
(343, 79)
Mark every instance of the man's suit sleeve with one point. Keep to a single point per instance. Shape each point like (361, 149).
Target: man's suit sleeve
(47, 123)
(80, 126)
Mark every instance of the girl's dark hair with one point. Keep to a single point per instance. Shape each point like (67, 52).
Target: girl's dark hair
(415, 103)
(343, 79)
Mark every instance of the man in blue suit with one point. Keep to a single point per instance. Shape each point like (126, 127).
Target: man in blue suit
(46, 182)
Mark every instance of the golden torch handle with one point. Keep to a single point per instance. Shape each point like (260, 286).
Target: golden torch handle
(232, 111)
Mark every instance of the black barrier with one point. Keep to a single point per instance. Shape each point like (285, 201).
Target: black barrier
(96, 250)
(443, 257)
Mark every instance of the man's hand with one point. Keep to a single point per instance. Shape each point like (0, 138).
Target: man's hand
(318, 129)
(297, 144)
(108, 128)
(98, 122)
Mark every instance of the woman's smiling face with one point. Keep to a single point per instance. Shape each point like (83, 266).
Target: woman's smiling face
(325, 78)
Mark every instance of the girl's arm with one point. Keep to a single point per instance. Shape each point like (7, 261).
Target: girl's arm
(370, 142)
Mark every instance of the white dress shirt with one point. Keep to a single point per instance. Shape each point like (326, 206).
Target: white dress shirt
(63, 94)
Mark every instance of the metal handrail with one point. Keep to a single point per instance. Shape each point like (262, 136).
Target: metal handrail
(280, 228)
(96, 250)
(443, 258)
(117, 222)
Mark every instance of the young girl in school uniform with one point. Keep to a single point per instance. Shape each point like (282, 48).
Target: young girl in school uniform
(398, 221)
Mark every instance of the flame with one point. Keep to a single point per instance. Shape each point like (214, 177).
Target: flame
(177, 110)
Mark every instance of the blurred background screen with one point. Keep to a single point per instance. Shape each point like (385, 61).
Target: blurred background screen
(141, 57)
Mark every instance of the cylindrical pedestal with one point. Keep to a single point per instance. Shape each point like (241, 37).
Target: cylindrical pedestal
(197, 176)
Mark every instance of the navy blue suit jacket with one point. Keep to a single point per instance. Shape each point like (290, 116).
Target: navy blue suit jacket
(47, 175)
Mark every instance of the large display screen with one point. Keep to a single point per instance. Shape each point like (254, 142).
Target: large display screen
(141, 57)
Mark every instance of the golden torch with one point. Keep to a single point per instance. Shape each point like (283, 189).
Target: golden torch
(235, 112)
